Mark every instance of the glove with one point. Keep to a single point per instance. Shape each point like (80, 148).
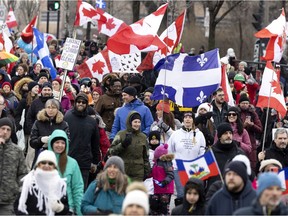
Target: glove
(19, 127)
(56, 205)
(163, 126)
(127, 141)
(44, 139)
(208, 115)
(164, 183)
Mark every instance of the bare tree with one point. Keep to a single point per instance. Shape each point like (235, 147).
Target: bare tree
(29, 8)
(9, 4)
(136, 10)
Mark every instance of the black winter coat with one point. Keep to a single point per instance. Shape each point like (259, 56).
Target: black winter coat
(276, 153)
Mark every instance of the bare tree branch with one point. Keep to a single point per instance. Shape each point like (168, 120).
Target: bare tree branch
(228, 11)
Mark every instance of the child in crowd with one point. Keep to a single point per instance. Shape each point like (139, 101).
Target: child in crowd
(163, 180)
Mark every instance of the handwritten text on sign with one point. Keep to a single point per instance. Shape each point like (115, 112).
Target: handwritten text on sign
(69, 54)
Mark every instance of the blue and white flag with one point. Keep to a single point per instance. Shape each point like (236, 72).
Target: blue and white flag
(188, 80)
(100, 4)
(42, 51)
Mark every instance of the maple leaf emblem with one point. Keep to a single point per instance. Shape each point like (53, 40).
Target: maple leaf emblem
(89, 13)
(169, 42)
(276, 87)
(98, 67)
(110, 25)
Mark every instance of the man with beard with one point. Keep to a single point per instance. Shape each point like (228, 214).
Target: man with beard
(236, 192)
(108, 102)
(278, 149)
(84, 135)
(151, 104)
(220, 107)
(268, 200)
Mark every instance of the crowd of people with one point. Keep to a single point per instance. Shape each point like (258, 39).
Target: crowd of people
(107, 148)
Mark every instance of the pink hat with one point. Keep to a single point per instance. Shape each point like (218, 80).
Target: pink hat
(160, 150)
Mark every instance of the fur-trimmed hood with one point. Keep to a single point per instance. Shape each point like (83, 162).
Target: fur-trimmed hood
(42, 116)
(167, 157)
(18, 86)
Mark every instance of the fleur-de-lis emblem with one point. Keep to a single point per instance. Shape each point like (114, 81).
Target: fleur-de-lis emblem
(202, 60)
(163, 92)
(201, 97)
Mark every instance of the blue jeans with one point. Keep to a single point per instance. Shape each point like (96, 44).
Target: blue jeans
(179, 187)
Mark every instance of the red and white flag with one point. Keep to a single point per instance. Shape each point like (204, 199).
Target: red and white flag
(86, 13)
(226, 87)
(171, 36)
(97, 66)
(11, 19)
(139, 36)
(27, 32)
(108, 24)
(271, 81)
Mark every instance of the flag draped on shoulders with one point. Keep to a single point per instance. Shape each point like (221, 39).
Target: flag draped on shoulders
(139, 36)
(202, 167)
(271, 90)
(188, 80)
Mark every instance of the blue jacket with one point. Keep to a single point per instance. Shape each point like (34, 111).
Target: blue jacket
(74, 180)
(101, 200)
(222, 203)
(122, 114)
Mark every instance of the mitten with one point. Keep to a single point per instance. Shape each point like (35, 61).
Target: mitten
(127, 141)
(44, 139)
(56, 205)
(163, 126)
(164, 183)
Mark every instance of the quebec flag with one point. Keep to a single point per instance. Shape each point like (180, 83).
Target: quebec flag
(188, 80)
(202, 168)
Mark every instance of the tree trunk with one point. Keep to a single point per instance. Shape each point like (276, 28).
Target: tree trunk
(136, 10)
(211, 41)
(241, 39)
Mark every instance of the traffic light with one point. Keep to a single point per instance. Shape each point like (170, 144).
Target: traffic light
(53, 5)
(258, 22)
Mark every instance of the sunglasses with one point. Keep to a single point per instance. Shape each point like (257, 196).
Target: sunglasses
(47, 162)
(232, 114)
(81, 101)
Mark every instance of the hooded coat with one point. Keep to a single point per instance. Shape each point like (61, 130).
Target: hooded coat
(72, 174)
(135, 156)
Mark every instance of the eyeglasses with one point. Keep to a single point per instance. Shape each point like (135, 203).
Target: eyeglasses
(232, 114)
(47, 162)
(81, 101)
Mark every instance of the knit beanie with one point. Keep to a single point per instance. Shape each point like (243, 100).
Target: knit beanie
(160, 150)
(207, 106)
(130, 90)
(31, 85)
(234, 109)
(137, 197)
(98, 90)
(267, 162)
(46, 155)
(244, 159)
(244, 97)
(57, 79)
(239, 168)
(6, 121)
(134, 116)
(243, 63)
(163, 106)
(82, 96)
(150, 89)
(46, 84)
(42, 74)
(117, 161)
(222, 128)
(266, 180)
(154, 135)
(7, 83)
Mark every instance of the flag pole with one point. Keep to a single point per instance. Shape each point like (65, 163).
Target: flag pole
(220, 173)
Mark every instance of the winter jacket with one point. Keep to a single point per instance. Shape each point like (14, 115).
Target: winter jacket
(163, 170)
(181, 145)
(257, 209)
(106, 105)
(44, 126)
(84, 136)
(11, 102)
(276, 153)
(223, 203)
(122, 114)
(219, 116)
(72, 174)
(12, 169)
(94, 201)
(135, 156)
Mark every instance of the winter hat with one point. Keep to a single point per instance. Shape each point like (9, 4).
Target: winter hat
(244, 159)
(7, 83)
(117, 161)
(31, 85)
(58, 80)
(83, 96)
(266, 180)
(134, 116)
(234, 109)
(239, 77)
(42, 74)
(150, 89)
(239, 85)
(154, 135)
(98, 90)
(134, 79)
(137, 197)
(163, 106)
(239, 168)
(67, 78)
(160, 150)
(243, 63)
(6, 121)
(46, 84)
(130, 90)
(267, 162)
(46, 155)
(222, 128)
(243, 97)
(207, 106)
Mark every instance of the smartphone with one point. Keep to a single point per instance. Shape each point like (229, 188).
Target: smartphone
(274, 169)
(248, 118)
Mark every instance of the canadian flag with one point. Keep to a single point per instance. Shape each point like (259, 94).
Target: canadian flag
(139, 36)
(27, 32)
(108, 24)
(11, 19)
(276, 31)
(86, 13)
(270, 88)
(226, 87)
(171, 36)
(97, 66)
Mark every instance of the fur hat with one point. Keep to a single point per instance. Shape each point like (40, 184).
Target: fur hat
(47, 155)
(266, 180)
(6, 121)
(117, 161)
(7, 83)
(239, 168)
(160, 150)
(222, 128)
(165, 106)
(244, 97)
(130, 90)
(267, 162)
(31, 85)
